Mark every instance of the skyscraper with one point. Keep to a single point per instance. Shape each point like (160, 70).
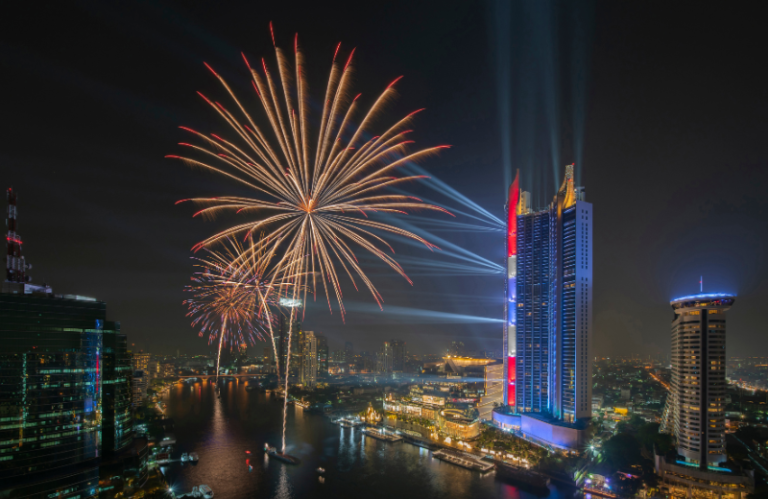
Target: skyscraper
(384, 358)
(117, 427)
(547, 336)
(322, 356)
(140, 361)
(398, 355)
(349, 354)
(64, 389)
(309, 359)
(695, 408)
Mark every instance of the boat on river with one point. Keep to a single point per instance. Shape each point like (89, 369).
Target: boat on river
(464, 460)
(286, 458)
(525, 479)
(193, 457)
(202, 491)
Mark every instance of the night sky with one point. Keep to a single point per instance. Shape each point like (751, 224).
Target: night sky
(663, 106)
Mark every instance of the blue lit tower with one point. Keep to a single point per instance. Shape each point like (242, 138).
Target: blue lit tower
(532, 309)
(554, 306)
(570, 303)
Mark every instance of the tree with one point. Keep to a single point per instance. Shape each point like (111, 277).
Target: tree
(622, 451)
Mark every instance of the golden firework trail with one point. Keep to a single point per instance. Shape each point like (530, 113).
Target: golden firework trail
(312, 190)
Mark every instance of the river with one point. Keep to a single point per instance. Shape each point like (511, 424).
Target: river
(222, 430)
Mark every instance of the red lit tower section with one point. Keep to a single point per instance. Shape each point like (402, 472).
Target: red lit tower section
(511, 292)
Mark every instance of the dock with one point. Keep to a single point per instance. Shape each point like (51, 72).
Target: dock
(464, 460)
(377, 434)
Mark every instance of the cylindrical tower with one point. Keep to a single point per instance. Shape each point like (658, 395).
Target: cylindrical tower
(695, 412)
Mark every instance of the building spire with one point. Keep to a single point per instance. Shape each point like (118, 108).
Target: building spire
(568, 188)
(15, 265)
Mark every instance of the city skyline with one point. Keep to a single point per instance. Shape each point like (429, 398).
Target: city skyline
(641, 258)
(411, 249)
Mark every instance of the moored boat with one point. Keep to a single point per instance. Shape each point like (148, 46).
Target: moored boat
(286, 458)
(202, 491)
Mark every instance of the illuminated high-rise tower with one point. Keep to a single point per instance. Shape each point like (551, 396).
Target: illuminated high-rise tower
(695, 408)
(570, 303)
(548, 322)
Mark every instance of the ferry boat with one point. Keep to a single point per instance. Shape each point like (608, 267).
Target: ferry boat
(202, 491)
(286, 458)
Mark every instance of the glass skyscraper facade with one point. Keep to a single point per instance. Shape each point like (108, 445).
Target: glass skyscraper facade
(50, 393)
(117, 431)
(551, 329)
(533, 312)
(61, 387)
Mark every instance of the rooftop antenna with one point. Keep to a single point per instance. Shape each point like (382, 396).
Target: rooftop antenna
(16, 267)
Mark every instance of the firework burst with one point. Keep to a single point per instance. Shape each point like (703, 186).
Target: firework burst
(312, 191)
(233, 296)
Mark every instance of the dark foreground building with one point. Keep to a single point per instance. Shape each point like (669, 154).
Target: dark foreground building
(64, 386)
(64, 394)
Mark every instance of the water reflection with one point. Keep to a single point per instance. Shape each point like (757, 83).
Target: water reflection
(221, 430)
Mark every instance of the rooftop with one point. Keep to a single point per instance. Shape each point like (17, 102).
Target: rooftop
(704, 296)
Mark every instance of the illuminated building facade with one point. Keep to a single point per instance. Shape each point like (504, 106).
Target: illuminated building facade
(139, 385)
(51, 382)
(549, 307)
(385, 358)
(494, 390)
(510, 303)
(117, 427)
(451, 417)
(322, 356)
(570, 302)
(309, 359)
(140, 362)
(695, 408)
